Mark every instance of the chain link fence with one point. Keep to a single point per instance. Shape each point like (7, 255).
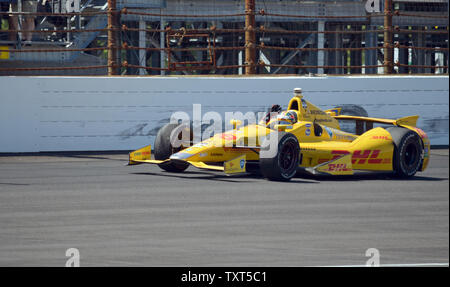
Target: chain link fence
(164, 37)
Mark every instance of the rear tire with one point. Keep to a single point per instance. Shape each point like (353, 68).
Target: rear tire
(281, 166)
(350, 110)
(408, 152)
(164, 149)
(353, 110)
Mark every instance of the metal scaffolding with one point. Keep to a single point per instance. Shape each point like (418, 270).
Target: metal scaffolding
(157, 37)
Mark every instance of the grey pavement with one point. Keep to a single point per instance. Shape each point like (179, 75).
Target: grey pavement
(141, 216)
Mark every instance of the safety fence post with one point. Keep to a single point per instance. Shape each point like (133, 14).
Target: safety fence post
(250, 38)
(388, 45)
(113, 31)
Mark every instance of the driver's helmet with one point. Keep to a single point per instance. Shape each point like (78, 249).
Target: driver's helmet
(287, 118)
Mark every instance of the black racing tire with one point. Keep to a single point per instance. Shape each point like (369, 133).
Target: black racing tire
(164, 149)
(282, 164)
(253, 168)
(408, 152)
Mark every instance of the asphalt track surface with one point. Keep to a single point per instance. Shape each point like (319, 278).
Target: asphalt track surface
(142, 216)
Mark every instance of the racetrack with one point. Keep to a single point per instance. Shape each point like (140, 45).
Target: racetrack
(142, 216)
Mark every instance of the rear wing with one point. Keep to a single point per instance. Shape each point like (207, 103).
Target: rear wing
(364, 123)
(407, 121)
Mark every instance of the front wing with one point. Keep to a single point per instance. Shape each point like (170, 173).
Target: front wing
(143, 155)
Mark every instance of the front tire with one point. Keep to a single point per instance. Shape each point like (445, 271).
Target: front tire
(280, 165)
(164, 149)
(408, 152)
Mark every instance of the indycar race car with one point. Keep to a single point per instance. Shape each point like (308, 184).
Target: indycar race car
(302, 138)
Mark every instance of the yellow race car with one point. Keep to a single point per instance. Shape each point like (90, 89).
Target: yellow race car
(302, 138)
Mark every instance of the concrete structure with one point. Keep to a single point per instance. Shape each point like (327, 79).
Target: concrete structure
(121, 113)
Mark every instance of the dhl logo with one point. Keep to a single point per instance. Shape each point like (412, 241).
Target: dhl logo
(228, 137)
(338, 167)
(142, 153)
(359, 157)
(382, 138)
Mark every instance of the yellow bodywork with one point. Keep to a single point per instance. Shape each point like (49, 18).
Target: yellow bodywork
(339, 166)
(236, 165)
(4, 52)
(324, 147)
